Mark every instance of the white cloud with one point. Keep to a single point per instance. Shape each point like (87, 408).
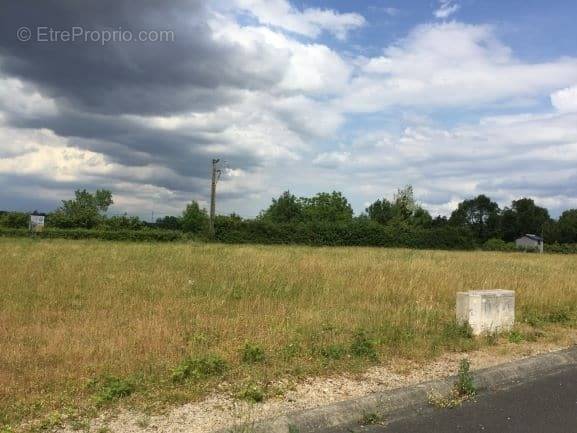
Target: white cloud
(306, 68)
(565, 100)
(310, 22)
(506, 157)
(331, 159)
(446, 9)
(452, 65)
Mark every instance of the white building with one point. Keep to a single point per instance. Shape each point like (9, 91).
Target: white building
(530, 242)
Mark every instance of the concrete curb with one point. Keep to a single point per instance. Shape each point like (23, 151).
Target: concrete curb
(398, 403)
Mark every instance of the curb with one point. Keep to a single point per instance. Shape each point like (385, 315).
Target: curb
(401, 402)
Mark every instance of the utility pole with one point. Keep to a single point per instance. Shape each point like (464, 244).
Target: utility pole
(215, 177)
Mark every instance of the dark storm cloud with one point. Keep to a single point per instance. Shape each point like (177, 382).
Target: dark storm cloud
(133, 143)
(184, 74)
(94, 86)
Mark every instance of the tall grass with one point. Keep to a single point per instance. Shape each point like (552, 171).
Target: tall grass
(78, 315)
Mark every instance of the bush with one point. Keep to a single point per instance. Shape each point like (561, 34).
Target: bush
(14, 220)
(499, 245)
(362, 346)
(144, 235)
(199, 368)
(252, 353)
(122, 222)
(111, 388)
(561, 248)
(252, 393)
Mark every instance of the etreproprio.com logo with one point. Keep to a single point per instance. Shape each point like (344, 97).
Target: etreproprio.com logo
(46, 34)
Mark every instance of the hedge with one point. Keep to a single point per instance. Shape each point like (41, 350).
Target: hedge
(356, 233)
(144, 235)
(561, 248)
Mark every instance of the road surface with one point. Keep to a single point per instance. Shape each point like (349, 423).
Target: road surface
(546, 405)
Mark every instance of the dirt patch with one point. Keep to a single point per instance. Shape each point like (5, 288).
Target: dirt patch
(223, 411)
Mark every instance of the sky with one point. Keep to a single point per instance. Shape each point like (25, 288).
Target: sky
(455, 97)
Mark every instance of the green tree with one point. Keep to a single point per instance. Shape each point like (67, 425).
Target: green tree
(169, 222)
(328, 207)
(285, 209)
(404, 204)
(480, 214)
(567, 226)
(380, 211)
(194, 219)
(86, 210)
(523, 217)
(421, 218)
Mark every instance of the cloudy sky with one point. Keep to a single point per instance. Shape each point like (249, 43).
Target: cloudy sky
(456, 97)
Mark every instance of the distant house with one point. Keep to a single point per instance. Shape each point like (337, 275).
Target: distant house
(530, 242)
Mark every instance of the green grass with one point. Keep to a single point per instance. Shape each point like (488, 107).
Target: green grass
(88, 323)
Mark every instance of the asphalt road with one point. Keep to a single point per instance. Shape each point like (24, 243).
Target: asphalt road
(546, 405)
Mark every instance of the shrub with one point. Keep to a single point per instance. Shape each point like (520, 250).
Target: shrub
(121, 222)
(362, 346)
(252, 393)
(515, 337)
(144, 235)
(561, 248)
(499, 245)
(199, 368)
(334, 351)
(14, 220)
(111, 388)
(253, 353)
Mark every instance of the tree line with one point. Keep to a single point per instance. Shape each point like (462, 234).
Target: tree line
(479, 216)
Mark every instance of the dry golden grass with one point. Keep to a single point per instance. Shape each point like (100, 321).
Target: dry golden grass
(73, 312)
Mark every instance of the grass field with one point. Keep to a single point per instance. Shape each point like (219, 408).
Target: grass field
(87, 324)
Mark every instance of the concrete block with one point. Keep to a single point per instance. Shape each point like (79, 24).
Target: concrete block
(487, 311)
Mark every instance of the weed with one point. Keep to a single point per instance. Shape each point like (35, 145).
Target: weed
(291, 350)
(465, 382)
(253, 353)
(293, 429)
(53, 420)
(492, 338)
(370, 418)
(559, 315)
(362, 346)
(111, 388)
(464, 389)
(199, 368)
(333, 351)
(252, 393)
(454, 330)
(516, 337)
(103, 429)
